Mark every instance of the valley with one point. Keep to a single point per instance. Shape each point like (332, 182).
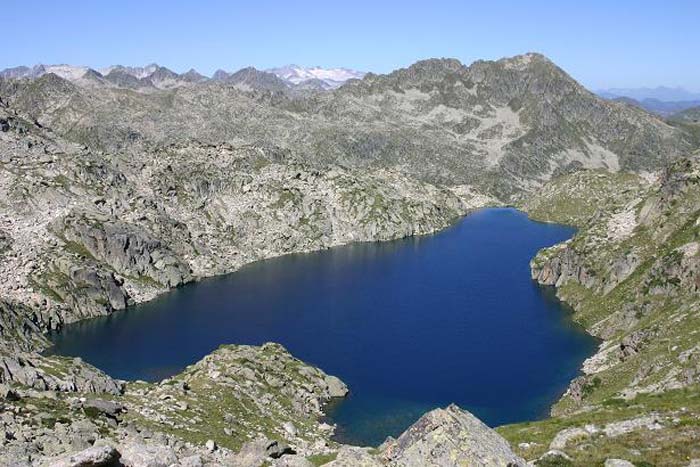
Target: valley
(118, 186)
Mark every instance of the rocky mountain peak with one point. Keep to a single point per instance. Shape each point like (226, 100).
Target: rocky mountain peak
(428, 70)
(525, 60)
(52, 81)
(252, 78)
(220, 75)
(137, 72)
(17, 72)
(121, 78)
(163, 77)
(193, 76)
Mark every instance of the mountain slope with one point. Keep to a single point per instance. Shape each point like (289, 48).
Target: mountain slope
(248, 79)
(689, 115)
(112, 193)
(666, 109)
(632, 276)
(188, 211)
(507, 126)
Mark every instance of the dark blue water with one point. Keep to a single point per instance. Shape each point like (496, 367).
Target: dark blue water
(409, 325)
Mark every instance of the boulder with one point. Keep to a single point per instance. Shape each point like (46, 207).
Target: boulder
(449, 437)
(259, 451)
(8, 394)
(336, 388)
(95, 456)
(277, 449)
(146, 455)
(108, 408)
(618, 463)
(210, 445)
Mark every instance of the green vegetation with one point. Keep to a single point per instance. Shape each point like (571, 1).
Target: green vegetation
(231, 396)
(631, 274)
(321, 459)
(573, 199)
(677, 413)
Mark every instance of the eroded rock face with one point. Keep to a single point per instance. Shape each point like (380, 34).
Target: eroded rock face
(449, 437)
(560, 265)
(19, 327)
(130, 250)
(56, 374)
(85, 288)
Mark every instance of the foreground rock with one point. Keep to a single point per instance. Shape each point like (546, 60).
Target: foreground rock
(55, 374)
(241, 405)
(444, 437)
(240, 392)
(449, 437)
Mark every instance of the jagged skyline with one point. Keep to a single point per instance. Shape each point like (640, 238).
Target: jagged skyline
(601, 45)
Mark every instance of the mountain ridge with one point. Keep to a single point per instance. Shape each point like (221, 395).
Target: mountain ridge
(480, 122)
(661, 93)
(312, 78)
(117, 188)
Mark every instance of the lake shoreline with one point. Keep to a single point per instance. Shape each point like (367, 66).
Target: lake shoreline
(301, 258)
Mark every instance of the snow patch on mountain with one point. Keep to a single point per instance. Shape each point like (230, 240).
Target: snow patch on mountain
(138, 72)
(69, 72)
(333, 77)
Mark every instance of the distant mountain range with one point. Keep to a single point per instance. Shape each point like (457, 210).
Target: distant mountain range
(691, 115)
(660, 93)
(662, 108)
(156, 76)
(663, 101)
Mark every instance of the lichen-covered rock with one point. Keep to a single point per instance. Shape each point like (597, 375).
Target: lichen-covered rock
(135, 454)
(243, 389)
(449, 437)
(351, 456)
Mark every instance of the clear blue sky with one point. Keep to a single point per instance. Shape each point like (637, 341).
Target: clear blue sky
(620, 43)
